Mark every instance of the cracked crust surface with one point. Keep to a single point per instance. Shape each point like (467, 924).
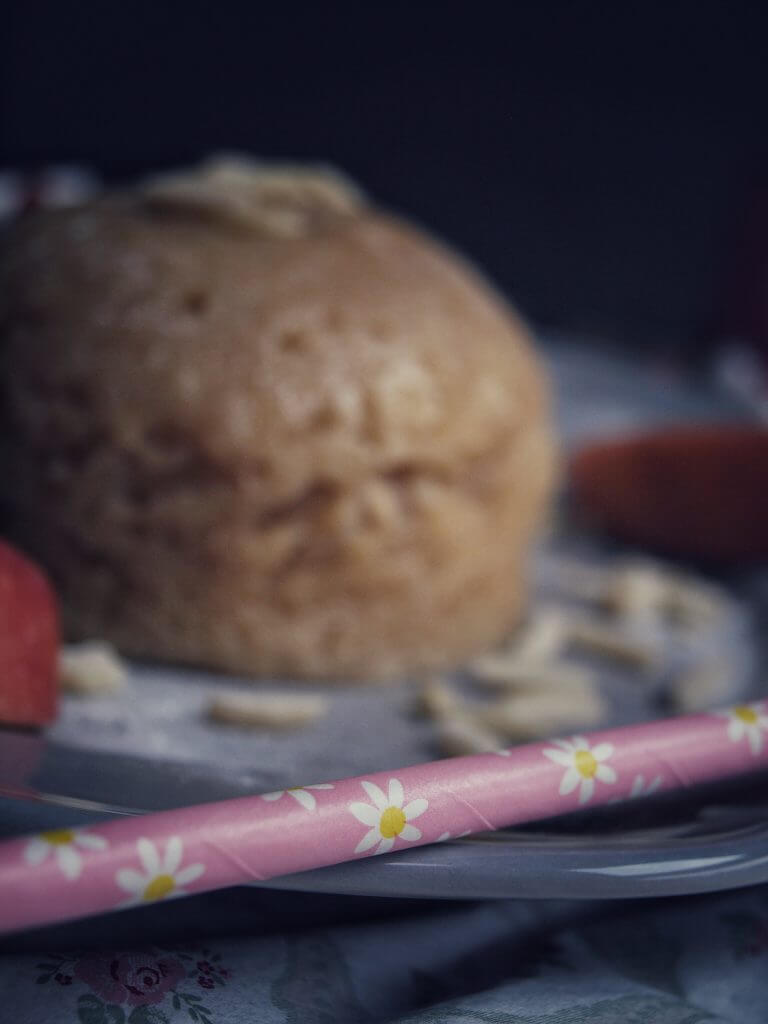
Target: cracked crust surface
(317, 454)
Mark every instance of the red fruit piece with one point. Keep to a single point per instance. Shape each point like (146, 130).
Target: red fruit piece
(696, 491)
(29, 642)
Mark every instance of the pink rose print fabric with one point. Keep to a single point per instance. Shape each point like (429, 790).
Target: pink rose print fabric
(136, 979)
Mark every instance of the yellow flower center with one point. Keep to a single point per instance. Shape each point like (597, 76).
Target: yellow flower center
(392, 822)
(748, 715)
(161, 885)
(586, 765)
(59, 836)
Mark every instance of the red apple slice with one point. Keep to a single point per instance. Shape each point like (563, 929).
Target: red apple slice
(698, 491)
(29, 641)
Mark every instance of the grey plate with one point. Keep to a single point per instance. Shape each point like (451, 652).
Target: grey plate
(551, 866)
(143, 751)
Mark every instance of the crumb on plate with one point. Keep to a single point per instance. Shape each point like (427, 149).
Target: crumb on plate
(462, 734)
(266, 710)
(91, 669)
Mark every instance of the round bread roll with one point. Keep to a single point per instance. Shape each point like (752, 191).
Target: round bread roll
(256, 424)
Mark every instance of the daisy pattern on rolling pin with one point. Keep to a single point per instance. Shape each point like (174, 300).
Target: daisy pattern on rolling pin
(584, 765)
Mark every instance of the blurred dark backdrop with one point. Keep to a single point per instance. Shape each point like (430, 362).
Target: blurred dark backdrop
(594, 157)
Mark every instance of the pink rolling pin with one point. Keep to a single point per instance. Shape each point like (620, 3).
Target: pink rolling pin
(68, 873)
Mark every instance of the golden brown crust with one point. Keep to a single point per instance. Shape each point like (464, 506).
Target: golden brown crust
(320, 454)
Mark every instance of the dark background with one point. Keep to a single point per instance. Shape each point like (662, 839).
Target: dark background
(596, 158)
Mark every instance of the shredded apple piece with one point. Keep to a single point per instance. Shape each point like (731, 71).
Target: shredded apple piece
(266, 710)
(91, 669)
(462, 734)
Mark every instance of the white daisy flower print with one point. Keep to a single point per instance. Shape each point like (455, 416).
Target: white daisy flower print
(386, 817)
(301, 794)
(162, 876)
(585, 766)
(746, 721)
(66, 845)
(639, 788)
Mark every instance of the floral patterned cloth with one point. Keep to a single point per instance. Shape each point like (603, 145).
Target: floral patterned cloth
(686, 961)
